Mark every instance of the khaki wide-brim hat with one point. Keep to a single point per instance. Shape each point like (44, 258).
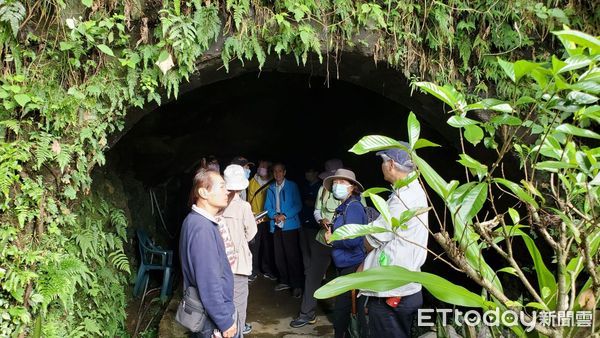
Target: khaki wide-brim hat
(344, 174)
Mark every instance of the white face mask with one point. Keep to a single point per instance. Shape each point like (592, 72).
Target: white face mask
(340, 191)
(247, 173)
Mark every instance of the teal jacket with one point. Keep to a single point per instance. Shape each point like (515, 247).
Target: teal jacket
(290, 204)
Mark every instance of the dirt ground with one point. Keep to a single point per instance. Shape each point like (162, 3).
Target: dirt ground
(269, 313)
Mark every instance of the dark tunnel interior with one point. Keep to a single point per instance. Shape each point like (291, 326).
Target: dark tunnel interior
(293, 118)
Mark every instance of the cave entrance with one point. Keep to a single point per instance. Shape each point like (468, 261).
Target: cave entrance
(299, 119)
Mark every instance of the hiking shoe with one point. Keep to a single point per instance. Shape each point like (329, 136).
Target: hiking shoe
(281, 287)
(297, 293)
(247, 328)
(301, 321)
(269, 276)
(252, 278)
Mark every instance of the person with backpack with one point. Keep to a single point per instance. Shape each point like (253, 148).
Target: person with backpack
(347, 254)
(319, 251)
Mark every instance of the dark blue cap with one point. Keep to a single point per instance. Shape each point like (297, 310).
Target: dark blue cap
(400, 156)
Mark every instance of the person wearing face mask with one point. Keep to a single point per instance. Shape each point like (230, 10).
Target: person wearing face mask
(347, 254)
(262, 246)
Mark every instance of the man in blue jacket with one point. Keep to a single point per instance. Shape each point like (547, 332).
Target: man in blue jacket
(284, 204)
(203, 259)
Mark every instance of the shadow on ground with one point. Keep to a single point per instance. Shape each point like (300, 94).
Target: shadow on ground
(269, 313)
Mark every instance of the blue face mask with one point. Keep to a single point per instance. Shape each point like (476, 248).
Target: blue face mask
(340, 191)
(247, 172)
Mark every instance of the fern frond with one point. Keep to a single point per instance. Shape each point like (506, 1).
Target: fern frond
(120, 260)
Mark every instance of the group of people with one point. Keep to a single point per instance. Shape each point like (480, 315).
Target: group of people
(226, 242)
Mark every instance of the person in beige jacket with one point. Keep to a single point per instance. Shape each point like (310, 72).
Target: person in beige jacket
(240, 221)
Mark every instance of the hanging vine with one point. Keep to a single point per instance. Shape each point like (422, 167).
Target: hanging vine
(72, 69)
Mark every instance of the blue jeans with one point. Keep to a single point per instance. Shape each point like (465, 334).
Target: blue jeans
(386, 321)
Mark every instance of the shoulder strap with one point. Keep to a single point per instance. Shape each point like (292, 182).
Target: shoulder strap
(346, 208)
(263, 187)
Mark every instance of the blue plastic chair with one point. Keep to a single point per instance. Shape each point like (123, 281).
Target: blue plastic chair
(153, 257)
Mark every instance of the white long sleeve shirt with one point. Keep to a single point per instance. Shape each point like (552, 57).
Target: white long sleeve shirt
(405, 248)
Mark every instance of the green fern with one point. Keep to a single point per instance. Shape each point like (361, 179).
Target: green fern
(120, 260)
(12, 12)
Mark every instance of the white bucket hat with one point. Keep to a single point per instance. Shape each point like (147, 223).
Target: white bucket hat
(235, 178)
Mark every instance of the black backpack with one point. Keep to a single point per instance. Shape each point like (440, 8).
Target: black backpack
(372, 213)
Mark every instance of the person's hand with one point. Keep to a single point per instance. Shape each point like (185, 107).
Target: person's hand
(325, 223)
(230, 332)
(328, 235)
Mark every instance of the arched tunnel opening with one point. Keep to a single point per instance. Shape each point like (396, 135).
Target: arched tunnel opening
(299, 119)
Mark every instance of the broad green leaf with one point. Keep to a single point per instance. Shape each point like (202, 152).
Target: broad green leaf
(349, 231)
(518, 191)
(375, 143)
(554, 166)
(524, 67)
(545, 277)
(106, 50)
(414, 129)
(506, 119)
(538, 306)
(575, 62)
(22, 99)
(459, 121)
(573, 130)
(473, 134)
(514, 216)
(580, 38)
(447, 94)
(423, 143)
(508, 68)
(582, 98)
(491, 104)
(382, 207)
(475, 166)
(390, 277)
(406, 215)
(509, 269)
(433, 179)
(374, 191)
(406, 181)
(87, 3)
(525, 100)
(470, 203)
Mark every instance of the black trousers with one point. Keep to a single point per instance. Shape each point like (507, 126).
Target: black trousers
(288, 258)
(343, 308)
(317, 258)
(385, 321)
(263, 259)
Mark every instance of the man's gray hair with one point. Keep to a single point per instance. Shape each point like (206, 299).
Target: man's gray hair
(407, 166)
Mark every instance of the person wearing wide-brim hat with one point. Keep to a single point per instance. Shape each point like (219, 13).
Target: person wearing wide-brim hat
(347, 254)
(346, 175)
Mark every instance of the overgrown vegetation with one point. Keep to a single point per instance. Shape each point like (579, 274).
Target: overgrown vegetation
(72, 69)
(556, 201)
